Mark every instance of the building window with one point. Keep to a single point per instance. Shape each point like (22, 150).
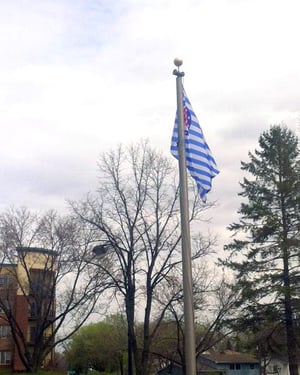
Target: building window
(5, 358)
(4, 306)
(5, 331)
(234, 366)
(32, 334)
(33, 309)
(5, 281)
(251, 366)
(41, 282)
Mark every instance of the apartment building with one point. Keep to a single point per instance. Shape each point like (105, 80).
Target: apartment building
(27, 307)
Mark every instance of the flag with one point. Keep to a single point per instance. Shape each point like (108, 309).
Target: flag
(199, 160)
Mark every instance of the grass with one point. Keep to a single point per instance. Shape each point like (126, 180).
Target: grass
(39, 372)
(44, 372)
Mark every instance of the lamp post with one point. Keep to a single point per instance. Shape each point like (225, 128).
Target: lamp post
(100, 251)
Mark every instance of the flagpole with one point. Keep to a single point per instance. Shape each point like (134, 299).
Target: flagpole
(189, 326)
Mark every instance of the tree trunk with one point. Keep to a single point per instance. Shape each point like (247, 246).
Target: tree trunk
(288, 308)
(146, 345)
(289, 323)
(291, 337)
(131, 334)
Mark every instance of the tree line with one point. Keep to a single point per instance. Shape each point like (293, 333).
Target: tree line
(133, 218)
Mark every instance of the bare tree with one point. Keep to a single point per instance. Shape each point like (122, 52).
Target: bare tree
(58, 296)
(136, 215)
(214, 302)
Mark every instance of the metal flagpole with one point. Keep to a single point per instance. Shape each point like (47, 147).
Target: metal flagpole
(189, 327)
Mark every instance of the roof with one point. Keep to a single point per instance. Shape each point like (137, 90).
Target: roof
(35, 250)
(229, 356)
(8, 265)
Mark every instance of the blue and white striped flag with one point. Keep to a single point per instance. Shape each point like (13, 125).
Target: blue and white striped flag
(199, 160)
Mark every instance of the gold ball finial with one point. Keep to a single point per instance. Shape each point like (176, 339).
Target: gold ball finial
(178, 61)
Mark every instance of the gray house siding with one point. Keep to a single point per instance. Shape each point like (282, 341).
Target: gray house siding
(174, 370)
(240, 368)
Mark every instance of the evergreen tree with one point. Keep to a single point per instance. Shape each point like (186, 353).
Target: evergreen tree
(264, 253)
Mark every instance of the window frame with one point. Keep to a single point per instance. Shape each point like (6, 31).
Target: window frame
(5, 358)
(5, 331)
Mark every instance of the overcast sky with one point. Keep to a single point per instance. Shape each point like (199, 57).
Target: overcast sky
(78, 77)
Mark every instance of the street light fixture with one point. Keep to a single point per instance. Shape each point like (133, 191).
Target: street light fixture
(100, 250)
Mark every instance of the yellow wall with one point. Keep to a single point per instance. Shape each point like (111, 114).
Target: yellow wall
(31, 260)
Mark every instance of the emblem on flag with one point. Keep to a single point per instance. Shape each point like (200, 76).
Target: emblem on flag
(186, 119)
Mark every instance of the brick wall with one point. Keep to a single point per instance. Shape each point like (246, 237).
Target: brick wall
(22, 319)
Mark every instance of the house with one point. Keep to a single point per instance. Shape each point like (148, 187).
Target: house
(275, 365)
(230, 362)
(24, 297)
(226, 362)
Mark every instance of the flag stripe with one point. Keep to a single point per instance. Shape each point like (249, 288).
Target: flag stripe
(199, 160)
